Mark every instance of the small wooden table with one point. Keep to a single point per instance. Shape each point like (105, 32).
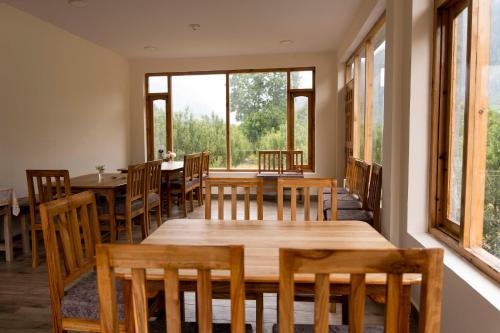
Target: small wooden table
(262, 240)
(107, 187)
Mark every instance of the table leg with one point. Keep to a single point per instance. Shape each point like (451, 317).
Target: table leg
(7, 235)
(405, 309)
(25, 233)
(110, 199)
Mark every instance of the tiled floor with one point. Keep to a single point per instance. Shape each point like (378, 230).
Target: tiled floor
(25, 302)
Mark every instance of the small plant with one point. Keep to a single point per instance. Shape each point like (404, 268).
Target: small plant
(170, 156)
(100, 168)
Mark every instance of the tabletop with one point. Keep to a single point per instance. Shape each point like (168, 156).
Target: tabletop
(262, 240)
(91, 181)
(165, 166)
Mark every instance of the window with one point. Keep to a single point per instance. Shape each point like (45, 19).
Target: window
(465, 181)
(366, 68)
(232, 114)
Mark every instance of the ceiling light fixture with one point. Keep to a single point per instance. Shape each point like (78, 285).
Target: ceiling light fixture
(194, 26)
(78, 3)
(286, 41)
(150, 48)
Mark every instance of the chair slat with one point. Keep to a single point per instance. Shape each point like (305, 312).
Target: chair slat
(204, 301)
(293, 202)
(139, 299)
(307, 204)
(172, 302)
(394, 290)
(220, 194)
(233, 203)
(247, 203)
(357, 297)
(320, 202)
(321, 302)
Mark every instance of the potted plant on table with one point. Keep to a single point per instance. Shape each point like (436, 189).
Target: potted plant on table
(170, 156)
(100, 170)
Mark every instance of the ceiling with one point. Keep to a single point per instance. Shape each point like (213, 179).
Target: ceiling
(227, 27)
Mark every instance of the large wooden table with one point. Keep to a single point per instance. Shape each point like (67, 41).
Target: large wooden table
(262, 240)
(108, 186)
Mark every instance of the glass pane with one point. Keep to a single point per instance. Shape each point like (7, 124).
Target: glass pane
(457, 119)
(158, 84)
(301, 120)
(199, 107)
(258, 116)
(159, 126)
(378, 95)
(491, 223)
(301, 80)
(362, 106)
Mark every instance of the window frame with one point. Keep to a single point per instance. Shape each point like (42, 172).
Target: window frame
(310, 167)
(366, 45)
(466, 238)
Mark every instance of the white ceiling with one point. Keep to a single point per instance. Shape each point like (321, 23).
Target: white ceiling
(228, 27)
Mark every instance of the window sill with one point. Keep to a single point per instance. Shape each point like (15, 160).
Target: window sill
(470, 274)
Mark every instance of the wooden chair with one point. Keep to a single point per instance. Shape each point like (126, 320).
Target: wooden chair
(306, 184)
(371, 214)
(234, 183)
(133, 205)
(358, 263)
(188, 183)
(170, 258)
(205, 170)
(70, 231)
(44, 186)
(357, 195)
(269, 161)
(153, 202)
(292, 162)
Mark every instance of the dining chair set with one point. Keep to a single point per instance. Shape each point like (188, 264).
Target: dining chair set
(87, 295)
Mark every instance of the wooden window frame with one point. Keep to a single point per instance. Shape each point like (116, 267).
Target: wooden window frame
(367, 45)
(149, 97)
(466, 239)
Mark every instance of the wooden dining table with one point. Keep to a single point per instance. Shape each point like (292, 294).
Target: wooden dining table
(262, 241)
(108, 186)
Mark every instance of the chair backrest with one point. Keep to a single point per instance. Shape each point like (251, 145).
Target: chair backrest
(154, 176)
(44, 186)
(374, 194)
(292, 161)
(234, 183)
(361, 180)
(136, 182)
(349, 173)
(170, 258)
(306, 184)
(192, 166)
(358, 263)
(70, 232)
(269, 161)
(205, 164)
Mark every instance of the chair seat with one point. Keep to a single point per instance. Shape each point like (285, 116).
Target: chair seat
(358, 215)
(346, 196)
(102, 206)
(159, 326)
(342, 204)
(153, 198)
(81, 300)
(305, 328)
(177, 183)
(340, 190)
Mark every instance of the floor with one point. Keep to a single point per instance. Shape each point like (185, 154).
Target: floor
(25, 302)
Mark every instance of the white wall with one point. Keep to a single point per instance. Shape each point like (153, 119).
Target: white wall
(326, 98)
(64, 101)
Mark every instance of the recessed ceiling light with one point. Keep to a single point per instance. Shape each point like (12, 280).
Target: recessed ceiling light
(78, 3)
(286, 41)
(194, 26)
(150, 48)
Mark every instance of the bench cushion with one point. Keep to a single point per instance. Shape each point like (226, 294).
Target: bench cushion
(306, 328)
(81, 300)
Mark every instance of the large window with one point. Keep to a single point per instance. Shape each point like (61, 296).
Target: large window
(232, 114)
(465, 182)
(366, 69)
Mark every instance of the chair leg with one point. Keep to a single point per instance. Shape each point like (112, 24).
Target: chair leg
(25, 233)
(7, 235)
(259, 313)
(128, 229)
(34, 248)
(159, 220)
(191, 201)
(200, 202)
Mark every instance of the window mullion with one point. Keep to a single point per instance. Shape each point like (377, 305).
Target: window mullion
(368, 101)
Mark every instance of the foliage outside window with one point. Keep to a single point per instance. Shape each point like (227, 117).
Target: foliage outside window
(465, 182)
(232, 114)
(366, 68)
